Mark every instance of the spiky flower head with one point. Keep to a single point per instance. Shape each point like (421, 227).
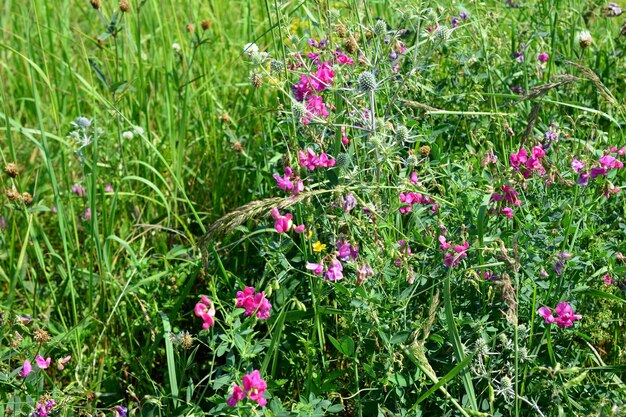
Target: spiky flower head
(402, 134)
(367, 81)
(341, 30)
(342, 160)
(298, 110)
(443, 33)
(41, 336)
(27, 198)
(350, 45)
(276, 66)
(95, 4)
(380, 28)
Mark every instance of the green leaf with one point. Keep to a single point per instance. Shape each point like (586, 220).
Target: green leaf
(346, 346)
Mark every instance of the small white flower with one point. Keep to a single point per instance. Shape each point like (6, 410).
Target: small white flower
(139, 130)
(584, 38)
(250, 49)
(176, 47)
(128, 135)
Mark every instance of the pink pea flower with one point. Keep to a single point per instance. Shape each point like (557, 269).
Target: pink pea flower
(87, 215)
(335, 271)
(254, 387)
(62, 361)
(78, 190)
(299, 229)
(452, 259)
(282, 224)
(238, 395)
(252, 303)
(108, 189)
(343, 59)
(317, 269)
(565, 316)
(508, 212)
(414, 178)
(583, 179)
(206, 311)
(577, 165)
(444, 245)
(364, 271)
(546, 313)
(41, 362)
(27, 368)
(608, 280)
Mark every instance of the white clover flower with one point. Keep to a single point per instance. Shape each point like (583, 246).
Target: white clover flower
(176, 47)
(139, 130)
(584, 38)
(128, 135)
(250, 49)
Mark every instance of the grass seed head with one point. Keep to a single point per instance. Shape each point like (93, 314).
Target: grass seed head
(95, 4)
(27, 198)
(124, 6)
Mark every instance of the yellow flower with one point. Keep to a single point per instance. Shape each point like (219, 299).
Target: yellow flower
(318, 246)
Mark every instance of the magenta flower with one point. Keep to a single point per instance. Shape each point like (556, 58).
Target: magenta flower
(577, 165)
(289, 182)
(583, 179)
(317, 269)
(282, 224)
(299, 229)
(41, 362)
(335, 271)
(62, 361)
(543, 57)
(310, 160)
(206, 311)
(565, 316)
(343, 59)
(87, 216)
(452, 259)
(238, 395)
(508, 212)
(323, 77)
(414, 178)
(252, 303)
(27, 368)
(315, 107)
(78, 190)
(444, 245)
(254, 387)
(608, 280)
(108, 188)
(346, 252)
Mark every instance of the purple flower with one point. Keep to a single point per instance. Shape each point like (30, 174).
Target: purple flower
(121, 411)
(364, 272)
(317, 269)
(26, 369)
(543, 57)
(613, 10)
(348, 203)
(78, 190)
(41, 362)
(583, 179)
(577, 165)
(463, 15)
(335, 272)
(454, 22)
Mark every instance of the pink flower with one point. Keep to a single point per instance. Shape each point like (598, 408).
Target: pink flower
(608, 280)
(343, 59)
(41, 362)
(317, 269)
(254, 387)
(299, 229)
(78, 190)
(62, 361)
(508, 212)
(414, 178)
(577, 165)
(27, 368)
(543, 57)
(108, 188)
(444, 245)
(323, 76)
(452, 259)
(252, 302)
(315, 107)
(302, 89)
(565, 316)
(206, 311)
(609, 162)
(282, 224)
(238, 395)
(546, 313)
(335, 272)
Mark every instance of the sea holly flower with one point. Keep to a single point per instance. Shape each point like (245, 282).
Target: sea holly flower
(27, 368)
(41, 362)
(206, 311)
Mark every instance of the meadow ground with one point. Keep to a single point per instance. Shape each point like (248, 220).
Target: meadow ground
(302, 208)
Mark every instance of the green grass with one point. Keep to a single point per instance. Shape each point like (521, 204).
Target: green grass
(115, 289)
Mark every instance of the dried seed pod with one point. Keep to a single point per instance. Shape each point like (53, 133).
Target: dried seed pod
(11, 169)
